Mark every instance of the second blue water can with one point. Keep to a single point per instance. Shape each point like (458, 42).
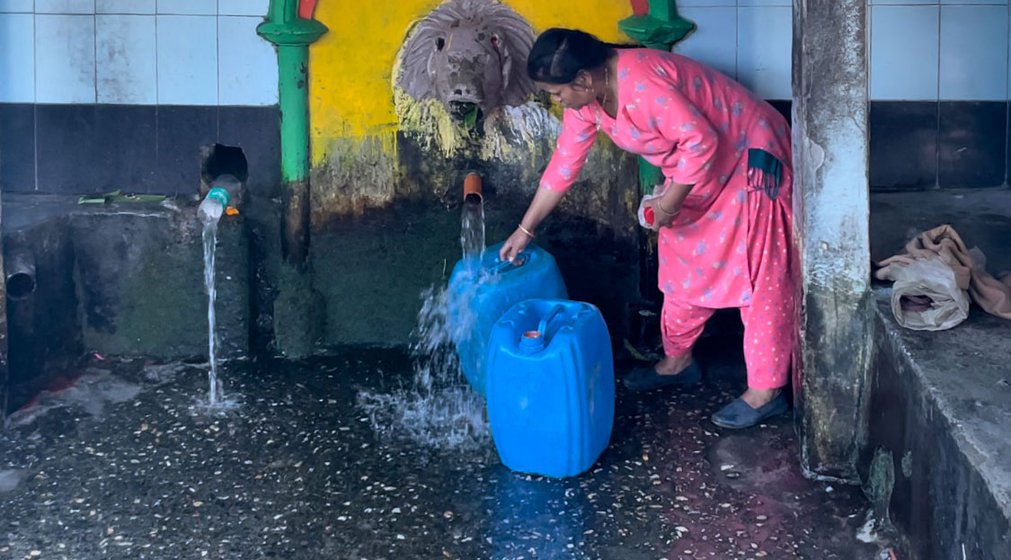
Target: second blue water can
(550, 387)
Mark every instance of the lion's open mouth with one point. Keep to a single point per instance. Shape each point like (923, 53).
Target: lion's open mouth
(465, 112)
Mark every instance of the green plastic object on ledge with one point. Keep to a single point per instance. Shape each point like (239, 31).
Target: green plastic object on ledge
(660, 28)
(118, 196)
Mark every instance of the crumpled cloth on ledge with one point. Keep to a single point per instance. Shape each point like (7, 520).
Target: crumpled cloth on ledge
(935, 277)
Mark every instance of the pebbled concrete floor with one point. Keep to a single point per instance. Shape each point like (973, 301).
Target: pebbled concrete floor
(121, 461)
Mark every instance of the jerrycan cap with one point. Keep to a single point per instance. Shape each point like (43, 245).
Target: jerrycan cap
(531, 342)
(534, 340)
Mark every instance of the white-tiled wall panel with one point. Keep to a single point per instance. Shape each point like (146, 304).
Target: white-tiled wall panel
(243, 7)
(65, 6)
(188, 7)
(125, 59)
(206, 51)
(17, 6)
(247, 65)
(973, 53)
(64, 58)
(904, 52)
(125, 6)
(764, 50)
(707, 3)
(187, 60)
(973, 2)
(708, 43)
(753, 3)
(17, 58)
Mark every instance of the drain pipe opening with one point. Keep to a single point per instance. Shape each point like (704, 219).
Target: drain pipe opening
(20, 265)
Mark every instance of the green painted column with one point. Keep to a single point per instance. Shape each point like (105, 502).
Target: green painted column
(660, 28)
(292, 35)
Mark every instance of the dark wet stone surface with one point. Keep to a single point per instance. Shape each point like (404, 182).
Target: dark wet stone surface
(124, 464)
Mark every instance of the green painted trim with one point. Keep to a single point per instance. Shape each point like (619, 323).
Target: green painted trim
(292, 70)
(284, 27)
(292, 35)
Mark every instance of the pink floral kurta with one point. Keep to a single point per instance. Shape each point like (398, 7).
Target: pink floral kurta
(697, 126)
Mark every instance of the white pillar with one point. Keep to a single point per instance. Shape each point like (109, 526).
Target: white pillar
(830, 133)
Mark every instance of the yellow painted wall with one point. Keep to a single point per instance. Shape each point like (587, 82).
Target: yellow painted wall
(350, 89)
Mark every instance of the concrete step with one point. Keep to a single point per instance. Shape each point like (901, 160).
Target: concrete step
(938, 458)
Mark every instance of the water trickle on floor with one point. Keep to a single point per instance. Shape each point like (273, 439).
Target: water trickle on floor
(439, 409)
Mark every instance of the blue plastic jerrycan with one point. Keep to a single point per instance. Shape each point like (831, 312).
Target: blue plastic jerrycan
(482, 291)
(550, 387)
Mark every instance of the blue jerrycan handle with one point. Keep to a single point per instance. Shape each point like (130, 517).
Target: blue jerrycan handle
(543, 326)
(519, 260)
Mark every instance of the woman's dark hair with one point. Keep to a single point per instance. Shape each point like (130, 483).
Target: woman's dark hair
(559, 54)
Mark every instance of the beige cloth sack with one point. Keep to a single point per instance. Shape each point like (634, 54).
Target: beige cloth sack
(936, 276)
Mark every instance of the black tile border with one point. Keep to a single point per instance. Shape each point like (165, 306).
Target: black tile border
(1007, 169)
(17, 147)
(88, 149)
(257, 132)
(65, 148)
(972, 144)
(181, 132)
(81, 149)
(903, 144)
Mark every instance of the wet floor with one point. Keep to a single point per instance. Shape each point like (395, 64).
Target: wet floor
(125, 464)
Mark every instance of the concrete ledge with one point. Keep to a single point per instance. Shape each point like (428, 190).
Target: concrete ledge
(137, 270)
(939, 454)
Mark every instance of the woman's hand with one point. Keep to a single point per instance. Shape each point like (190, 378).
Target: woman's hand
(663, 214)
(514, 245)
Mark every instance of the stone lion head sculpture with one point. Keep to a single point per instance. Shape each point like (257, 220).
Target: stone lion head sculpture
(467, 54)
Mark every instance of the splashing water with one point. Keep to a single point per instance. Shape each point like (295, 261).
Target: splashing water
(439, 409)
(210, 237)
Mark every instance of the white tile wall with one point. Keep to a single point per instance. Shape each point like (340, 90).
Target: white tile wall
(206, 51)
(17, 6)
(904, 52)
(687, 3)
(187, 60)
(751, 3)
(709, 42)
(247, 65)
(764, 43)
(973, 57)
(125, 59)
(64, 6)
(17, 56)
(243, 7)
(973, 2)
(125, 6)
(188, 7)
(64, 58)
(972, 65)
